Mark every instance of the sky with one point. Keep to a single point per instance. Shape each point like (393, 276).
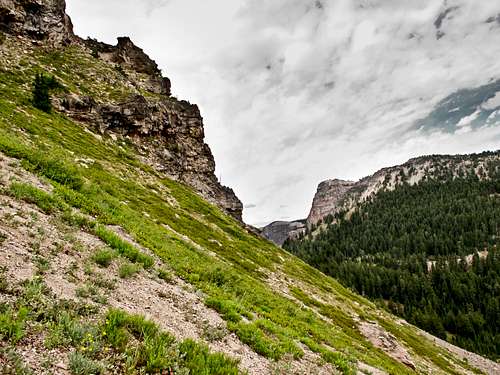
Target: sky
(294, 92)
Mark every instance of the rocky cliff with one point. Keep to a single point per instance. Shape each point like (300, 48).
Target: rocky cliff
(168, 133)
(335, 195)
(40, 20)
(328, 195)
(279, 231)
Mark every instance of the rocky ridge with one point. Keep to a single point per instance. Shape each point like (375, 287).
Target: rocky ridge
(334, 196)
(167, 132)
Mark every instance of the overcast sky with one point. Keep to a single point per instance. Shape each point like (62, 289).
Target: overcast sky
(294, 92)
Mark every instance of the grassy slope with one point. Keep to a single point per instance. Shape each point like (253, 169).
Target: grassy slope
(232, 267)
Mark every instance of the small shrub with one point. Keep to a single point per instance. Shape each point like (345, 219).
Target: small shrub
(81, 365)
(92, 292)
(41, 91)
(4, 285)
(104, 257)
(36, 295)
(123, 247)
(340, 361)
(42, 265)
(214, 333)
(12, 324)
(198, 359)
(102, 282)
(229, 309)
(120, 70)
(165, 275)
(127, 270)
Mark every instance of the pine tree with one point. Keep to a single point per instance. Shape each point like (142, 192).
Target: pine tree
(41, 91)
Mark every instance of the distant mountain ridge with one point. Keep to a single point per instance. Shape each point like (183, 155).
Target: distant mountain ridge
(335, 195)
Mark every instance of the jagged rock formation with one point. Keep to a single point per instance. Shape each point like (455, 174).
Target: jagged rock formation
(128, 55)
(168, 133)
(279, 231)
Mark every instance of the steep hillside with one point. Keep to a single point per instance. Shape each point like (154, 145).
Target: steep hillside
(428, 250)
(119, 91)
(112, 261)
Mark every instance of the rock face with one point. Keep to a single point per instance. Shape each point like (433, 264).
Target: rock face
(279, 231)
(37, 19)
(129, 56)
(328, 196)
(168, 133)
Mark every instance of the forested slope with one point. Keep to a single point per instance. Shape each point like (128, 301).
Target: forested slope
(428, 252)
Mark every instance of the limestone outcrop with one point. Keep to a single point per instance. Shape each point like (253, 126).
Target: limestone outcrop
(328, 197)
(334, 196)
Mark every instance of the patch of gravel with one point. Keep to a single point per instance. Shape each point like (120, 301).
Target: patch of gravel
(473, 359)
(387, 342)
(11, 171)
(35, 356)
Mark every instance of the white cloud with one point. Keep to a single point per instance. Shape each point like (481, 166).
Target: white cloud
(493, 103)
(467, 120)
(297, 91)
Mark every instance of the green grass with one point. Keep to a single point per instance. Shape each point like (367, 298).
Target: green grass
(234, 281)
(30, 194)
(156, 352)
(12, 324)
(128, 270)
(165, 275)
(104, 257)
(81, 365)
(123, 247)
(128, 343)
